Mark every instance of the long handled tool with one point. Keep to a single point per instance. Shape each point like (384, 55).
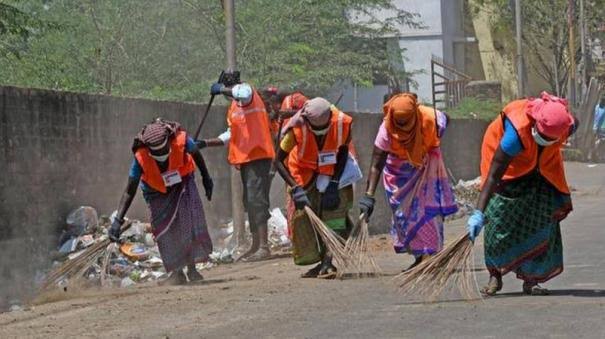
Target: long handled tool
(221, 79)
(199, 127)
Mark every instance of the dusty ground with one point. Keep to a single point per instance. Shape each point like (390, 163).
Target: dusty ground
(269, 299)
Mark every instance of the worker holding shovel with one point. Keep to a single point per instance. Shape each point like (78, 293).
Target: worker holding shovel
(251, 151)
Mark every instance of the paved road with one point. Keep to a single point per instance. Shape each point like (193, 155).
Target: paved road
(269, 300)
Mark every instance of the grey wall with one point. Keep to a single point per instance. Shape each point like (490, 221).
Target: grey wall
(61, 150)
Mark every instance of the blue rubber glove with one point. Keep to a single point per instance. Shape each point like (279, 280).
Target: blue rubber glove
(216, 88)
(474, 224)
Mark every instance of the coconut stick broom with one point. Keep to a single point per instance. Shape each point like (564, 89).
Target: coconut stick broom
(449, 269)
(360, 261)
(76, 267)
(334, 243)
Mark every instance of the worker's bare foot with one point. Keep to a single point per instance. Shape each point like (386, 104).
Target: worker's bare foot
(194, 275)
(176, 278)
(263, 253)
(248, 253)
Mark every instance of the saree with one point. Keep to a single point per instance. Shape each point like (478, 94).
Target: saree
(522, 234)
(307, 246)
(179, 224)
(419, 198)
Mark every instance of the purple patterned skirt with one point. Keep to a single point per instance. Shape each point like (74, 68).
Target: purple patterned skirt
(420, 198)
(179, 225)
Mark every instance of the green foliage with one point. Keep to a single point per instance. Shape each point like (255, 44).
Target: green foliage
(545, 33)
(174, 49)
(475, 109)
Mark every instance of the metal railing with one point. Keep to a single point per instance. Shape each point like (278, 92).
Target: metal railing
(448, 84)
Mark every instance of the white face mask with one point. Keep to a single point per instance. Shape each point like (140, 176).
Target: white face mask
(540, 140)
(160, 158)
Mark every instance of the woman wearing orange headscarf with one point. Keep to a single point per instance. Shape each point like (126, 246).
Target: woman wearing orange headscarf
(406, 151)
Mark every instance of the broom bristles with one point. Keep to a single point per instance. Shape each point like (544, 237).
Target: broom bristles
(75, 268)
(334, 243)
(360, 261)
(449, 269)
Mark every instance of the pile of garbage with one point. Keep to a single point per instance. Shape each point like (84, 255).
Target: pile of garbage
(467, 193)
(226, 247)
(137, 259)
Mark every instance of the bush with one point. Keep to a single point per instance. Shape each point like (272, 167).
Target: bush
(473, 108)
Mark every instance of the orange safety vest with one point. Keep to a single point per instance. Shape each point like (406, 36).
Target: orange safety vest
(550, 162)
(304, 159)
(430, 139)
(250, 132)
(178, 160)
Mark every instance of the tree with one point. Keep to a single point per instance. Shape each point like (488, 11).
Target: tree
(174, 49)
(16, 27)
(545, 34)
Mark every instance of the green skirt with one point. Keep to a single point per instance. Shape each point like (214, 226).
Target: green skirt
(522, 234)
(307, 247)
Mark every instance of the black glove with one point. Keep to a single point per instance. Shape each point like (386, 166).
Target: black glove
(330, 199)
(300, 198)
(366, 206)
(115, 230)
(201, 144)
(208, 186)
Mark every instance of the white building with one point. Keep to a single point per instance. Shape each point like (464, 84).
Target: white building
(442, 35)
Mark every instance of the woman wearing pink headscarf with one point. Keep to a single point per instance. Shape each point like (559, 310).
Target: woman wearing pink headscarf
(524, 193)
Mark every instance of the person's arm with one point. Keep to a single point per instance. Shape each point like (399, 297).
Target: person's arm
(195, 153)
(497, 168)
(127, 197)
(221, 140)
(283, 171)
(379, 159)
(126, 200)
(341, 159)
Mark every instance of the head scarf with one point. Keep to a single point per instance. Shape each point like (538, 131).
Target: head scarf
(551, 115)
(156, 134)
(316, 111)
(408, 136)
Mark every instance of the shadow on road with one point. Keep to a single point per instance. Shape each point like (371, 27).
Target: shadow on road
(590, 293)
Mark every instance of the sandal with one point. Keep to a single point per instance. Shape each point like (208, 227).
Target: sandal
(312, 273)
(328, 273)
(493, 286)
(534, 289)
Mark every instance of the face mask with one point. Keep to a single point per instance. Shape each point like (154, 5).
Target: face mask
(160, 158)
(539, 139)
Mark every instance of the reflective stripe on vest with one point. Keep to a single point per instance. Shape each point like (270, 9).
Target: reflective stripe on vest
(549, 162)
(178, 160)
(250, 132)
(303, 160)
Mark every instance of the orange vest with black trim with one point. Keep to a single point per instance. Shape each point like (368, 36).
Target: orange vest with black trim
(250, 132)
(303, 161)
(549, 162)
(178, 160)
(430, 138)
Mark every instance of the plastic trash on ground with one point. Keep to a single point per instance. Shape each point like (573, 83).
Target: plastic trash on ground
(278, 230)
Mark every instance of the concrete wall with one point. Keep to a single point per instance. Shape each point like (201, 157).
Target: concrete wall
(61, 150)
